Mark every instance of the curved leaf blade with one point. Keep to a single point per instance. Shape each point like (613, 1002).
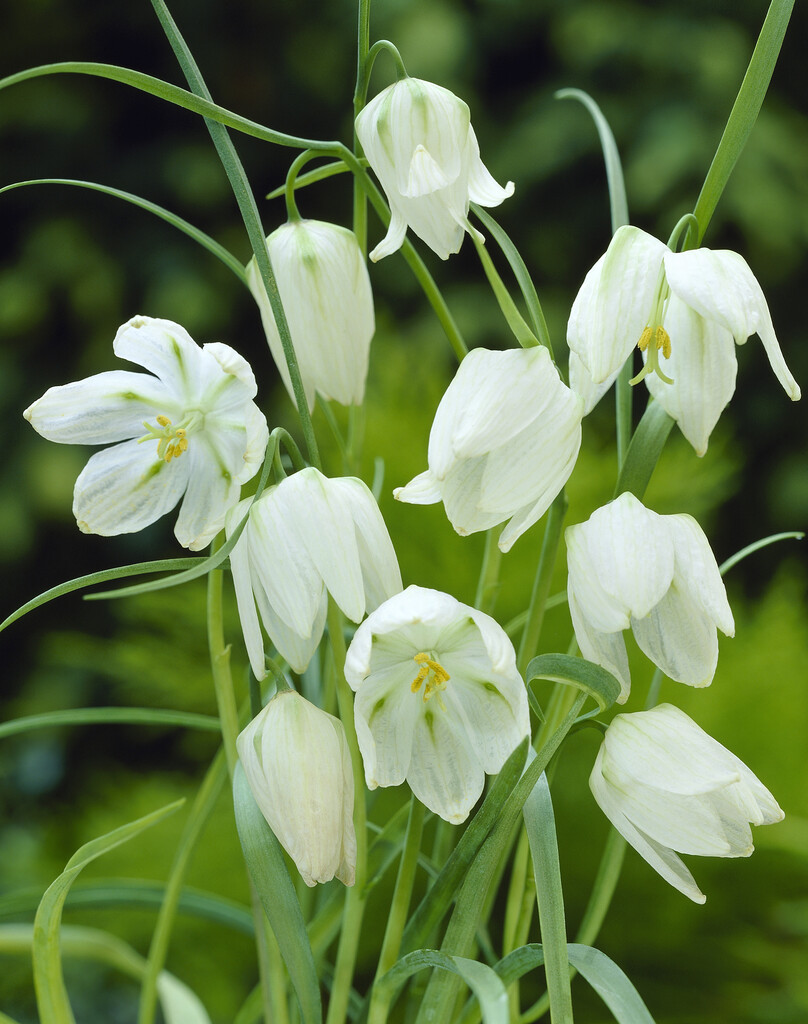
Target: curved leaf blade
(592, 679)
(110, 716)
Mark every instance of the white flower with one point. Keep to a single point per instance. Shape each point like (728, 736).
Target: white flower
(192, 430)
(667, 786)
(418, 139)
(694, 306)
(438, 698)
(324, 285)
(298, 765)
(503, 443)
(308, 536)
(629, 566)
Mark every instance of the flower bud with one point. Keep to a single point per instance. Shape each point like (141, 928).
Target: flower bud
(298, 766)
(325, 289)
(667, 786)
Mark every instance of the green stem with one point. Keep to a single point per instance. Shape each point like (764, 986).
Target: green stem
(488, 583)
(514, 319)
(399, 907)
(513, 913)
(541, 584)
(360, 206)
(355, 900)
(300, 161)
(220, 668)
(623, 396)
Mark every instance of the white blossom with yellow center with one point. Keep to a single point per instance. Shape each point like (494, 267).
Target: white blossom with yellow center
(189, 430)
(439, 701)
(686, 311)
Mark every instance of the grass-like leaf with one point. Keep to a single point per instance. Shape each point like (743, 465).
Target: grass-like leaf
(110, 716)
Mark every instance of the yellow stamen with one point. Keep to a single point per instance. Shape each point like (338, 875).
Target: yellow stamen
(661, 342)
(434, 677)
(171, 441)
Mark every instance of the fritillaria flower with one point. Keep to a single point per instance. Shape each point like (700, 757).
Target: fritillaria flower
(439, 701)
(325, 289)
(687, 311)
(188, 430)
(418, 139)
(306, 537)
(630, 567)
(503, 442)
(667, 786)
(298, 766)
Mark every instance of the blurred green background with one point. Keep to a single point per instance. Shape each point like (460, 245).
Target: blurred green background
(75, 265)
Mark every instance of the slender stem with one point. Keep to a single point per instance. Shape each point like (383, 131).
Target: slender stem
(623, 395)
(541, 584)
(355, 900)
(299, 162)
(488, 583)
(513, 911)
(360, 207)
(220, 668)
(399, 907)
(603, 890)
(514, 319)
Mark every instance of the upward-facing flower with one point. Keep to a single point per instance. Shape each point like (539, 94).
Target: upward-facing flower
(629, 567)
(308, 536)
(325, 289)
(666, 786)
(418, 139)
(503, 443)
(190, 432)
(298, 766)
(687, 311)
(438, 698)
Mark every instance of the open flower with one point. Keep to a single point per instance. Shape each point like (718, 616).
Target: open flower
(439, 701)
(686, 311)
(189, 432)
(325, 289)
(503, 443)
(298, 766)
(630, 567)
(667, 786)
(418, 139)
(306, 537)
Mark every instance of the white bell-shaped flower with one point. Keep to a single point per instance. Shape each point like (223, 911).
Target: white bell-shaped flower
(189, 430)
(666, 786)
(503, 443)
(306, 537)
(439, 701)
(686, 311)
(418, 139)
(324, 285)
(298, 766)
(630, 567)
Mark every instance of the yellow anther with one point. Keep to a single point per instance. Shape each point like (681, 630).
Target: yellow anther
(663, 341)
(645, 338)
(171, 441)
(434, 677)
(164, 421)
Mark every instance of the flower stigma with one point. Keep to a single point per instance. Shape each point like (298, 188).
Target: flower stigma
(434, 677)
(171, 441)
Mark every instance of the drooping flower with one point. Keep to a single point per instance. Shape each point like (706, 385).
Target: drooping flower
(503, 442)
(439, 701)
(324, 285)
(189, 430)
(418, 139)
(686, 311)
(630, 567)
(298, 766)
(306, 537)
(666, 786)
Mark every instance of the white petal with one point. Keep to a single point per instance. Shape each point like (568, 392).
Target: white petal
(582, 384)
(679, 638)
(493, 712)
(445, 773)
(662, 860)
(703, 368)
(168, 350)
(297, 648)
(605, 649)
(242, 584)
(394, 239)
(126, 488)
(211, 492)
(385, 710)
(483, 189)
(233, 364)
(461, 497)
(615, 302)
(697, 571)
(107, 407)
(423, 489)
(719, 285)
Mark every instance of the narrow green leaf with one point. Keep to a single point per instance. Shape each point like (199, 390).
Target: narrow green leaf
(481, 979)
(520, 271)
(312, 177)
(52, 999)
(610, 983)
(541, 834)
(644, 451)
(744, 111)
(595, 681)
(129, 892)
(269, 875)
(104, 576)
(439, 897)
(204, 240)
(611, 156)
(110, 716)
(172, 94)
(750, 549)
